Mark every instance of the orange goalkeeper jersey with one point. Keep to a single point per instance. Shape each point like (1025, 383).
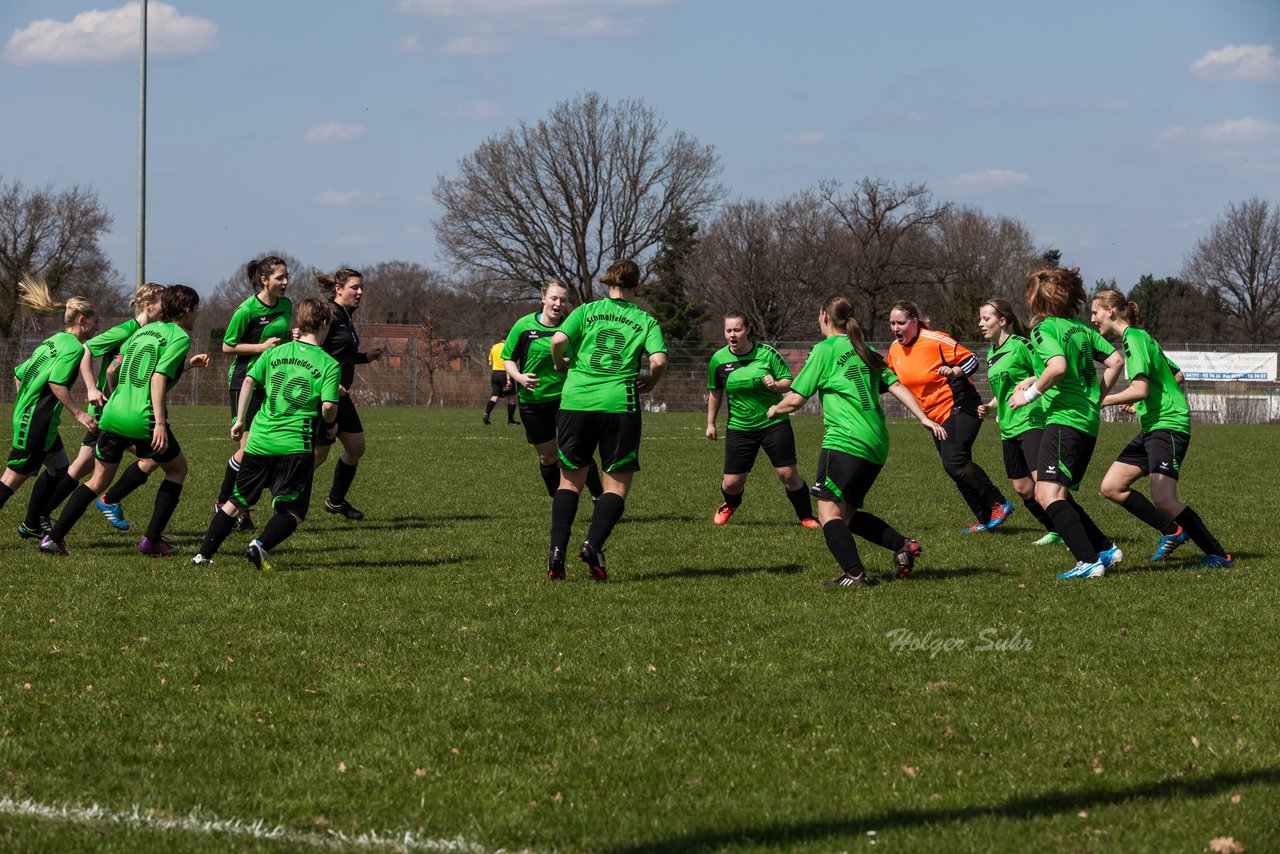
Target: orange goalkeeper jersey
(916, 367)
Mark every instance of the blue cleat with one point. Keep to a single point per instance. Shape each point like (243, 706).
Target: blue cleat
(999, 513)
(114, 514)
(1169, 542)
(975, 528)
(1214, 562)
(1110, 557)
(1085, 570)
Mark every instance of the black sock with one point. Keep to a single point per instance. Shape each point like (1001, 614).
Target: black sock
(1139, 505)
(843, 548)
(1066, 521)
(511, 413)
(166, 502)
(64, 488)
(594, 486)
(1034, 508)
(5, 494)
(607, 513)
(219, 529)
(564, 508)
(801, 501)
(77, 503)
(228, 481)
(132, 478)
(1097, 539)
(876, 530)
(41, 492)
(734, 501)
(488, 409)
(278, 530)
(1194, 526)
(551, 477)
(343, 474)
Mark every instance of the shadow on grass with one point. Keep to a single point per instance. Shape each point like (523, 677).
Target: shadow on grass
(403, 523)
(1030, 807)
(396, 563)
(1183, 562)
(719, 572)
(659, 517)
(926, 574)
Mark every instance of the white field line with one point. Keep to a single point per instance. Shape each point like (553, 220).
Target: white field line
(200, 822)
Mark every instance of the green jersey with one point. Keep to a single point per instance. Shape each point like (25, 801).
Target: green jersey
(1166, 406)
(55, 362)
(252, 323)
(106, 346)
(529, 346)
(607, 337)
(296, 379)
(1007, 365)
(157, 348)
(852, 418)
(741, 378)
(1073, 400)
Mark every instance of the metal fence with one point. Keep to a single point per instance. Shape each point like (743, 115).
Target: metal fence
(412, 373)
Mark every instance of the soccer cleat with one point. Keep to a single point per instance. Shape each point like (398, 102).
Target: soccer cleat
(245, 522)
(594, 559)
(1085, 570)
(160, 548)
(114, 514)
(201, 560)
(844, 579)
(904, 559)
(257, 556)
(1169, 542)
(1214, 562)
(555, 564)
(723, 512)
(46, 524)
(975, 528)
(999, 513)
(487, 422)
(513, 423)
(50, 546)
(29, 533)
(1111, 557)
(343, 509)
(1048, 539)
(810, 522)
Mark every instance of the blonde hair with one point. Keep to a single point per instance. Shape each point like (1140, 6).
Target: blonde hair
(149, 292)
(34, 296)
(1119, 303)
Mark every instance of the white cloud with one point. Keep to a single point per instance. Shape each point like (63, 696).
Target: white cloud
(599, 26)
(332, 133)
(1239, 62)
(111, 36)
(1248, 131)
(341, 198)
(473, 111)
(408, 44)
(475, 46)
(812, 137)
(989, 180)
(1248, 147)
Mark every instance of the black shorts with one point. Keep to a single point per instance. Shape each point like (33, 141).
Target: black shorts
(844, 478)
(111, 447)
(348, 421)
(500, 384)
(255, 403)
(28, 462)
(91, 437)
(539, 420)
(1022, 454)
(1064, 455)
(288, 477)
(616, 434)
(741, 446)
(1159, 452)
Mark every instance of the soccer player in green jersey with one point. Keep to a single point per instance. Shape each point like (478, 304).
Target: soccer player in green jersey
(136, 416)
(849, 378)
(1164, 422)
(600, 343)
(526, 356)
(1069, 383)
(43, 390)
(1010, 360)
(260, 323)
(753, 376)
(299, 384)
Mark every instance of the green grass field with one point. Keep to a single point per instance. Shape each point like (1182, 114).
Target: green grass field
(414, 680)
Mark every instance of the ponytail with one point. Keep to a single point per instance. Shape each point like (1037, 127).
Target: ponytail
(1116, 301)
(34, 296)
(1003, 309)
(255, 270)
(330, 284)
(839, 311)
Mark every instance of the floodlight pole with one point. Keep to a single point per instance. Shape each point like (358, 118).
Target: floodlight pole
(141, 268)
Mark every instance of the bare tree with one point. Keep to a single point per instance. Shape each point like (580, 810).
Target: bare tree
(592, 182)
(54, 235)
(400, 292)
(884, 251)
(1240, 259)
(975, 257)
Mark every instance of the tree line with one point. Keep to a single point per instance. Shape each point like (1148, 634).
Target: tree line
(595, 180)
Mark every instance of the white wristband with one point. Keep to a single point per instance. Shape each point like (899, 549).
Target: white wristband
(1032, 393)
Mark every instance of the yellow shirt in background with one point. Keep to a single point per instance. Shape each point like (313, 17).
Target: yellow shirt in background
(495, 356)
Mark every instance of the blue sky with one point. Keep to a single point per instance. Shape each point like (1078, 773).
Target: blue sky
(1116, 131)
